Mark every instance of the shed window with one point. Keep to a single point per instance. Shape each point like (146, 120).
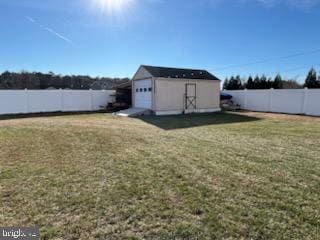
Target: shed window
(150, 89)
(140, 89)
(145, 89)
(137, 90)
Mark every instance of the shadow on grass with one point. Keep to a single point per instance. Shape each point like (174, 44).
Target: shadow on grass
(196, 120)
(43, 115)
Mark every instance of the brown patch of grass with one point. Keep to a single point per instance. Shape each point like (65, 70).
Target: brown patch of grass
(279, 116)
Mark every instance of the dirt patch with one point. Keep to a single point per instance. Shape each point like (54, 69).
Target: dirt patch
(279, 116)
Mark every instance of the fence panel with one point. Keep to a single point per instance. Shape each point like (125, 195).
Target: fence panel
(285, 101)
(100, 98)
(76, 100)
(238, 96)
(292, 101)
(44, 101)
(257, 100)
(36, 101)
(312, 105)
(13, 101)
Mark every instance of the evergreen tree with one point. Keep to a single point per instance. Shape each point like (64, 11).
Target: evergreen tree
(277, 83)
(311, 80)
(232, 85)
(256, 82)
(269, 83)
(226, 84)
(250, 84)
(238, 82)
(263, 82)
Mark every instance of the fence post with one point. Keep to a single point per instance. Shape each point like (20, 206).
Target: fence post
(27, 100)
(270, 99)
(61, 99)
(245, 99)
(305, 100)
(91, 99)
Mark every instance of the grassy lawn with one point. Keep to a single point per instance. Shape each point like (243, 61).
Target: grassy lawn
(211, 176)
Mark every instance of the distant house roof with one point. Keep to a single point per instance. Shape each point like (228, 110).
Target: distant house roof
(181, 73)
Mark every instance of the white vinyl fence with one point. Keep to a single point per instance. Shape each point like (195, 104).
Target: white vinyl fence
(37, 101)
(292, 101)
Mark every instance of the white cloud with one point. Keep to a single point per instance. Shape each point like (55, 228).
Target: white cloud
(50, 30)
(30, 19)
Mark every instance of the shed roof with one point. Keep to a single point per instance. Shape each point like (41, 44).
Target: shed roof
(182, 73)
(125, 85)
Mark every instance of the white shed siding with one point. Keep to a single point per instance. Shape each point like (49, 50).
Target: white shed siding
(142, 73)
(170, 94)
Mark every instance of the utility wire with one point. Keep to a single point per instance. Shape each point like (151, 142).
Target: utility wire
(269, 60)
(294, 69)
(298, 68)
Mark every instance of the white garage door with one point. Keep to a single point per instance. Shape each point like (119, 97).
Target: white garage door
(143, 94)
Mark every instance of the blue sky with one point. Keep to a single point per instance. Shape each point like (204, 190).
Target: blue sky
(113, 37)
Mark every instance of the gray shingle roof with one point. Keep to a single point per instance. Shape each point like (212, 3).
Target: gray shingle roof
(181, 73)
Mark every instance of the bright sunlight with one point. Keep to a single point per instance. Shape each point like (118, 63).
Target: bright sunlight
(110, 6)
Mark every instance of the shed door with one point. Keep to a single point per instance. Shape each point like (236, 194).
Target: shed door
(143, 94)
(191, 96)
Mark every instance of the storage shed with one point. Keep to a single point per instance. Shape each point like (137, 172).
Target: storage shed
(167, 91)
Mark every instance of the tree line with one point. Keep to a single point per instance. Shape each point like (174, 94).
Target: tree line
(38, 80)
(263, 82)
